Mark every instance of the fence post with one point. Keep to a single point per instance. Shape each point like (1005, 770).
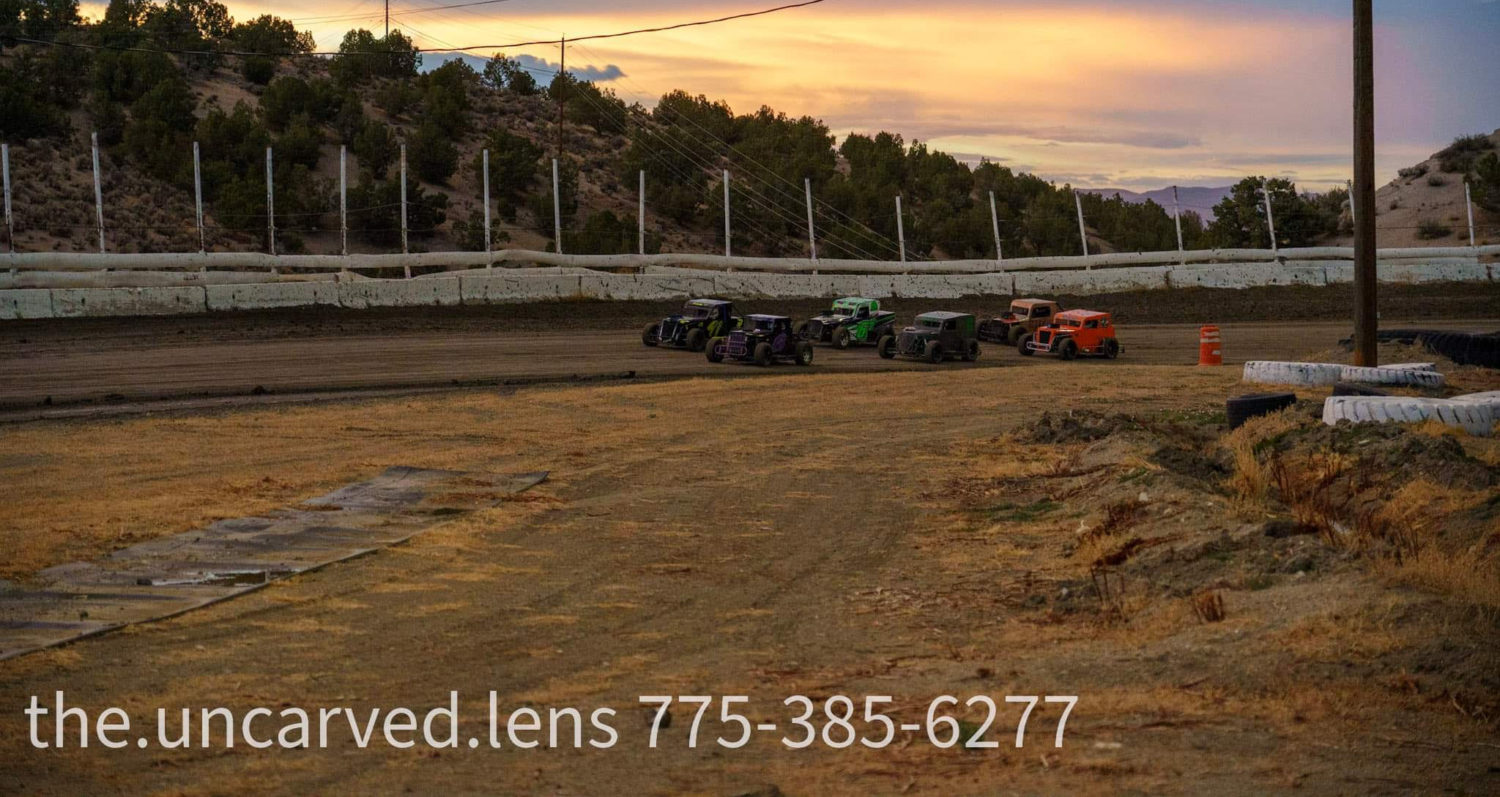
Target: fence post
(1177, 219)
(640, 216)
(900, 229)
(1083, 234)
(727, 249)
(995, 225)
(404, 248)
(556, 210)
(98, 191)
(487, 264)
(812, 238)
(343, 200)
(270, 209)
(1265, 188)
(1468, 204)
(198, 200)
(10, 224)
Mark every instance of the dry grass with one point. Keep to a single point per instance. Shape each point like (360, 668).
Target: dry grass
(1466, 576)
(1251, 480)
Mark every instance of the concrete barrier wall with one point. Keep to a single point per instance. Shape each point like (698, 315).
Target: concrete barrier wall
(509, 286)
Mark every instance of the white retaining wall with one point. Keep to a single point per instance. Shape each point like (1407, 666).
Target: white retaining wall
(507, 286)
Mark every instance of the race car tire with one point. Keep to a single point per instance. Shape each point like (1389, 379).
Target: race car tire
(696, 338)
(887, 347)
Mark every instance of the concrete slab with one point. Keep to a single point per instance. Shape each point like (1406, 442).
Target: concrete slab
(269, 295)
(83, 302)
(18, 303)
(171, 575)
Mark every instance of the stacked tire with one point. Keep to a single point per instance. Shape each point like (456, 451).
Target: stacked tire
(1283, 373)
(1392, 375)
(1475, 417)
(1242, 408)
(1463, 348)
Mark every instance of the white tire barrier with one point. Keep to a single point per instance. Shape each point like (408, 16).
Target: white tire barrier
(1266, 372)
(1490, 398)
(1473, 417)
(1411, 366)
(1391, 376)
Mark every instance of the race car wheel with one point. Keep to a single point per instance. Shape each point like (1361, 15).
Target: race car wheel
(1111, 348)
(972, 353)
(887, 347)
(1014, 334)
(714, 350)
(648, 335)
(1022, 347)
(762, 354)
(841, 338)
(933, 352)
(696, 339)
(804, 353)
(1068, 349)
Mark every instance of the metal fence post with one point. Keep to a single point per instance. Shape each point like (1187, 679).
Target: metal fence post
(198, 200)
(1177, 219)
(812, 238)
(995, 225)
(1265, 188)
(900, 229)
(98, 191)
(10, 224)
(640, 216)
(404, 248)
(343, 200)
(270, 209)
(1468, 205)
(1083, 234)
(556, 210)
(487, 206)
(726, 213)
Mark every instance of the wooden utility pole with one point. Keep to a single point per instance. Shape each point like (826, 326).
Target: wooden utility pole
(1363, 200)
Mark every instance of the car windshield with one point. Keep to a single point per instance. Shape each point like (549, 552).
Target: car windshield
(929, 323)
(764, 324)
(836, 310)
(695, 311)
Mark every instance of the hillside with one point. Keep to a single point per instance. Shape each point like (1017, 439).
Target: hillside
(1424, 205)
(152, 80)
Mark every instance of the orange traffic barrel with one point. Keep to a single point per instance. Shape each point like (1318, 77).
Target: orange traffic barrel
(1210, 347)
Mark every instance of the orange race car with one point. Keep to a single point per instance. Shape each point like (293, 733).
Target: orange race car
(1073, 333)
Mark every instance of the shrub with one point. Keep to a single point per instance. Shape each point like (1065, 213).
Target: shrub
(258, 69)
(431, 155)
(397, 97)
(515, 163)
(1430, 229)
(469, 235)
(1436, 181)
(363, 57)
(376, 149)
(1412, 172)
(1486, 182)
(1459, 157)
(375, 211)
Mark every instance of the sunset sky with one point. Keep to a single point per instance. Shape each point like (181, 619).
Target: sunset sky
(1134, 94)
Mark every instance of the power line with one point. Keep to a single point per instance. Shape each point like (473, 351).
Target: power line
(466, 48)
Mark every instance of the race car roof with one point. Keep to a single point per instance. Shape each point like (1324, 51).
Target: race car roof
(764, 317)
(707, 302)
(941, 315)
(1081, 314)
(1032, 302)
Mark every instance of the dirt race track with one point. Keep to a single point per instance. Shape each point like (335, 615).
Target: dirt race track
(813, 531)
(273, 357)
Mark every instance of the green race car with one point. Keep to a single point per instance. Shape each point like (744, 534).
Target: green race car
(851, 320)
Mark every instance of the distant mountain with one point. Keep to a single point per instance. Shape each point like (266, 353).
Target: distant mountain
(1197, 199)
